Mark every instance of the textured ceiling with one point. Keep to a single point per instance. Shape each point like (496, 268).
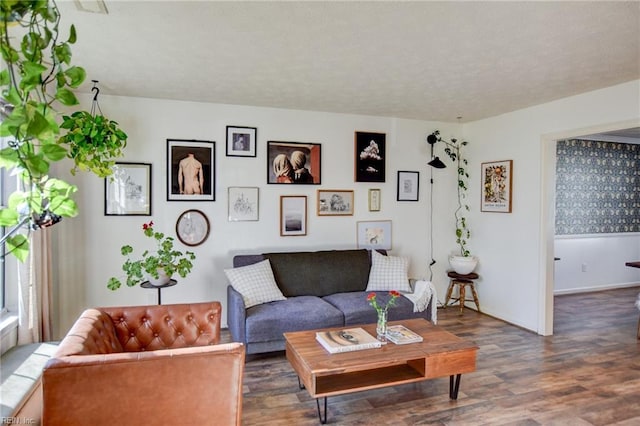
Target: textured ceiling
(422, 60)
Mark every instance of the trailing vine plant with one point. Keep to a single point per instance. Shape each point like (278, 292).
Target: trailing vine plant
(36, 78)
(453, 150)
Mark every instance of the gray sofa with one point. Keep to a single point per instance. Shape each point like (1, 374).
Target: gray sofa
(323, 289)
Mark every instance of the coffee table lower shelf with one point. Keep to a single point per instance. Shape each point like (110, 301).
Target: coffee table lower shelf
(441, 354)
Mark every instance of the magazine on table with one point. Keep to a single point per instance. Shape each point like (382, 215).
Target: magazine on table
(351, 339)
(401, 335)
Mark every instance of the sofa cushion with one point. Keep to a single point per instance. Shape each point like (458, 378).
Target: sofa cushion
(388, 273)
(268, 321)
(255, 283)
(320, 273)
(356, 309)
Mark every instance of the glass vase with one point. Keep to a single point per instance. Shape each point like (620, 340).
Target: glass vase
(381, 326)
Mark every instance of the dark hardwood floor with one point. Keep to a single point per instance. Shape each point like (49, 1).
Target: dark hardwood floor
(588, 373)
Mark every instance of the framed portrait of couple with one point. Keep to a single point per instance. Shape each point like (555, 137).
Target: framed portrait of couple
(293, 162)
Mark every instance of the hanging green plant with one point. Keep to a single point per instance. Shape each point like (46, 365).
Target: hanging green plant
(36, 76)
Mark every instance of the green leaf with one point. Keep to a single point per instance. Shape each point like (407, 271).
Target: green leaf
(72, 34)
(66, 97)
(8, 158)
(18, 246)
(38, 126)
(54, 152)
(113, 283)
(37, 164)
(4, 78)
(9, 217)
(63, 206)
(76, 76)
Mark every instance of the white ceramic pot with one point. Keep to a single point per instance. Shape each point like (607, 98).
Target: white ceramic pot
(463, 265)
(162, 279)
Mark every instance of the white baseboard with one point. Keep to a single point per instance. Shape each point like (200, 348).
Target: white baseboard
(594, 288)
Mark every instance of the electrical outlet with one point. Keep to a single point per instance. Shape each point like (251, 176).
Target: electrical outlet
(584, 267)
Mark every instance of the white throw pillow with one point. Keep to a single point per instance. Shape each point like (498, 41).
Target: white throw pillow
(388, 273)
(255, 283)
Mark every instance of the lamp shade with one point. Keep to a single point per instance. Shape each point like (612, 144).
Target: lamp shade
(437, 163)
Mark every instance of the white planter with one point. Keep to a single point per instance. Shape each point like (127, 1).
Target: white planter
(463, 265)
(161, 280)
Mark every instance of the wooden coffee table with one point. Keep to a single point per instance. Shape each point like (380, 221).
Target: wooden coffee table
(323, 374)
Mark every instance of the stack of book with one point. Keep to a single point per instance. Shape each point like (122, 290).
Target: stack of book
(351, 339)
(401, 335)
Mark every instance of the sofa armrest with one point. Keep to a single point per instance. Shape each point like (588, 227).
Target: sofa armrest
(236, 315)
(154, 387)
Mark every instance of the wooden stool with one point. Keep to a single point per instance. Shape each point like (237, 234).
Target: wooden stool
(462, 281)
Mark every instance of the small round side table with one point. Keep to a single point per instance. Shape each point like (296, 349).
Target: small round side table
(147, 284)
(462, 281)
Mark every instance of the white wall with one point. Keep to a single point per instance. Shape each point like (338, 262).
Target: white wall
(88, 247)
(513, 247)
(595, 262)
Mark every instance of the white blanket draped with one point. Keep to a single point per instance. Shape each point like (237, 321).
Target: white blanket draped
(424, 293)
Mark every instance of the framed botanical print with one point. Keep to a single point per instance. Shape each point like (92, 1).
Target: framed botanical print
(293, 215)
(293, 162)
(408, 185)
(335, 202)
(243, 203)
(497, 182)
(127, 192)
(241, 141)
(190, 170)
(370, 157)
(374, 234)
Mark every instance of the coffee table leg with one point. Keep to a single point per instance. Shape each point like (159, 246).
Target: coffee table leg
(300, 384)
(322, 420)
(454, 386)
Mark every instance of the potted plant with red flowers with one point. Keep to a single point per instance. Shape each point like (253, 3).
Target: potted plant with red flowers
(381, 309)
(156, 267)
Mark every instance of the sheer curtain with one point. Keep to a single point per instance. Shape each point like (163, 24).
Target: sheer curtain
(35, 291)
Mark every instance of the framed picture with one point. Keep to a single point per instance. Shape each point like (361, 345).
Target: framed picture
(374, 200)
(293, 162)
(370, 157)
(293, 215)
(497, 181)
(190, 170)
(408, 185)
(243, 203)
(335, 202)
(127, 192)
(374, 235)
(241, 141)
(192, 227)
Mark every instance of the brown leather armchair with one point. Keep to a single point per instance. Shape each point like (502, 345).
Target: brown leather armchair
(155, 365)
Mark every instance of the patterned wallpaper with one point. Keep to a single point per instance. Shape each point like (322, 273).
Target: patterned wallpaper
(597, 187)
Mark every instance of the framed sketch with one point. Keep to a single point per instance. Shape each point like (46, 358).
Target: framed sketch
(127, 192)
(190, 170)
(374, 200)
(374, 234)
(408, 185)
(497, 183)
(335, 202)
(369, 157)
(293, 162)
(293, 215)
(192, 227)
(241, 141)
(243, 203)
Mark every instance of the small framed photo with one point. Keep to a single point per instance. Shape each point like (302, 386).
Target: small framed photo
(293, 215)
(190, 170)
(374, 200)
(127, 192)
(497, 183)
(243, 203)
(241, 141)
(408, 185)
(370, 157)
(293, 162)
(192, 227)
(335, 202)
(374, 235)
